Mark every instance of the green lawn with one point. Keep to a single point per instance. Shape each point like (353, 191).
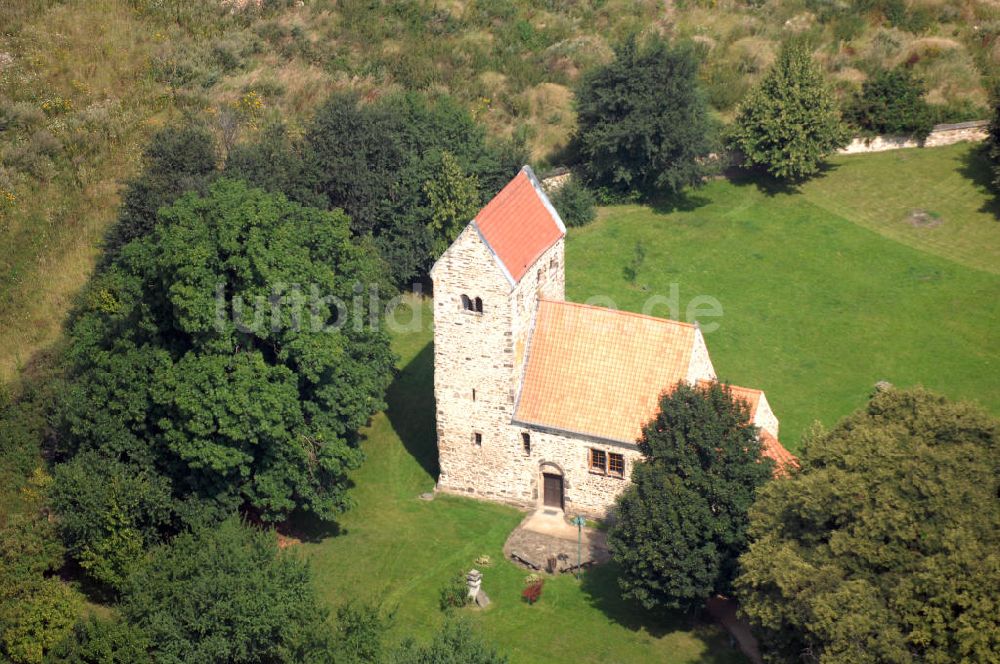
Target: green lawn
(400, 550)
(819, 302)
(824, 291)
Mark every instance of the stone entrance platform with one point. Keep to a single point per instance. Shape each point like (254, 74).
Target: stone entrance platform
(545, 541)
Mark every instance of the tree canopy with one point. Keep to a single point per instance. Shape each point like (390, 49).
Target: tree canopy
(789, 123)
(643, 122)
(892, 102)
(226, 594)
(885, 546)
(682, 521)
(224, 353)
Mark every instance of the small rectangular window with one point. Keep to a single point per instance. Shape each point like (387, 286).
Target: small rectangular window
(473, 394)
(598, 461)
(616, 464)
(477, 438)
(526, 443)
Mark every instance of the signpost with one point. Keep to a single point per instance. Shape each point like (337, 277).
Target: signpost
(579, 522)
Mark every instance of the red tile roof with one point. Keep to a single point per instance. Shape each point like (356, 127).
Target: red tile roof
(773, 449)
(598, 371)
(519, 224)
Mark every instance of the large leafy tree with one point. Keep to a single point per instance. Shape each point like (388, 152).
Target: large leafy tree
(255, 405)
(885, 547)
(790, 122)
(682, 521)
(226, 594)
(376, 160)
(643, 121)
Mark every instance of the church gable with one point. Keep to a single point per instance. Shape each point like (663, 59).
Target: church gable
(519, 224)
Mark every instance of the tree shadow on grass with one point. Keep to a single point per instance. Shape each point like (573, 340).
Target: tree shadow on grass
(770, 185)
(684, 201)
(977, 168)
(600, 584)
(411, 409)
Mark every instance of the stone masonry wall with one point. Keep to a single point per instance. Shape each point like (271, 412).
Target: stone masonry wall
(764, 417)
(944, 134)
(473, 361)
(701, 364)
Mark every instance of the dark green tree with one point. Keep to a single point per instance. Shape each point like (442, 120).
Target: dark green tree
(789, 123)
(574, 203)
(102, 641)
(375, 159)
(892, 102)
(455, 643)
(885, 546)
(682, 521)
(202, 355)
(643, 122)
(226, 594)
(109, 513)
(992, 149)
(178, 159)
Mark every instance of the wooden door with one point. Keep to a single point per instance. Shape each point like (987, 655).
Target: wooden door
(553, 490)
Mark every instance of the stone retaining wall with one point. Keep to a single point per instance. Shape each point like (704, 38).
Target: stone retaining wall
(942, 134)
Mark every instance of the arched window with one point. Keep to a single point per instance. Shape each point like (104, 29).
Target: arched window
(479, 305)
(466, 302)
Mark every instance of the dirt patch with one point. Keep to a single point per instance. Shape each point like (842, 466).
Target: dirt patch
(923, 219)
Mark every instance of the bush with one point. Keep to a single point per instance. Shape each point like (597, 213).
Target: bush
(643, 121)
(455, 593)
(533, 592)
(227, 594)
(789, 123)
(574, 203)
(892, 102)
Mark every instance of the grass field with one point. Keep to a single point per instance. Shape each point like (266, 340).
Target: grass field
(827, 290)
(397, 549)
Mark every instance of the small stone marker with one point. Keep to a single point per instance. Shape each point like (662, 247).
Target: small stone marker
(475, 581)
(427, 496)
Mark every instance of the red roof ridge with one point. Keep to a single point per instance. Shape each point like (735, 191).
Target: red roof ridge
(519, 224)
(623, 312)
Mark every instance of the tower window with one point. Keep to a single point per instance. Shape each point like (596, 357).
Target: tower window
(477, 438)
(466, 302)
(473, 394)
(526, 443)
(478, 305)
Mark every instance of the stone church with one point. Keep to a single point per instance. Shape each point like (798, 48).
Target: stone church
(540, 401)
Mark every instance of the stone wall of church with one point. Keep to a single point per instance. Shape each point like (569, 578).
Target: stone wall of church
(546, 278)
(473, 361)
(764, 417)
(700, 367)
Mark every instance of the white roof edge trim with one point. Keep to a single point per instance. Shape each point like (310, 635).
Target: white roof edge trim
(503, 268)
(526, 169)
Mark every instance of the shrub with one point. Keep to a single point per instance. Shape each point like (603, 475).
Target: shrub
(892, 102)
(643, 121)
(789, 123)
(455, 593)
(532, 593)
(574, 203)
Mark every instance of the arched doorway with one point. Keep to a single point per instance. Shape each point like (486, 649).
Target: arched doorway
(553, 486)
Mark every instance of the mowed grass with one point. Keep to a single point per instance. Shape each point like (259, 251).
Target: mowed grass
(399, 550)
(822, 294)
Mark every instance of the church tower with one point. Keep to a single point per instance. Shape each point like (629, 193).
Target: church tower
(486, 291)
